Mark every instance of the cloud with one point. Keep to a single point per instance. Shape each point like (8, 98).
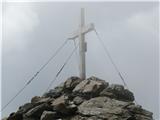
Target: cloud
(18, 21)
(144, 21)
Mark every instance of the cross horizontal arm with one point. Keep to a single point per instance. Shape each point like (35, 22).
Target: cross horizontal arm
(85, 30)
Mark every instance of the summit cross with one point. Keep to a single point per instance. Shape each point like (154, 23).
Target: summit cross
(80, 33)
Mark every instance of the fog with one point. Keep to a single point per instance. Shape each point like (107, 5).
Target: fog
(33, 31)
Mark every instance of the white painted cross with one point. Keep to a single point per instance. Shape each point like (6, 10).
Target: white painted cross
(80, 33)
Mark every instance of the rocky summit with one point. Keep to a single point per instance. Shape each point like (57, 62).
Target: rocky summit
(76, 99)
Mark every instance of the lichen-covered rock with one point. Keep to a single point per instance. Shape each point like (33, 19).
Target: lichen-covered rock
(76, 99)
(118, 92)
(90, 88)
(59, 103)
(79, 117)
(142, 117)
(71, 83)
(136, 109)
(104, 107)
(63, 106)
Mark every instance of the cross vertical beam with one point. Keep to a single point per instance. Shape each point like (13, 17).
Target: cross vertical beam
(80, 33)
(82, 47)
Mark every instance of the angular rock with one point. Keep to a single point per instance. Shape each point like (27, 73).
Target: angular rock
(23, 109)
(90, 87)
(71, 83)
(118, 92)
(142, 117)
(15, 116)
(59, 103)
(104, 108)
(48, 115)
(138, 110)
(78, 117)
(38, 110)
(54, 93)
(78, 100)
(40, 100)
(80, 87)
(35, 99)
(24, 118)
(62, 106)
(90, 99)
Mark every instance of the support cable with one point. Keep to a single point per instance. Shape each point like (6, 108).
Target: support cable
(113, 63)
(36, 74)
(61, 69)
(108, 54)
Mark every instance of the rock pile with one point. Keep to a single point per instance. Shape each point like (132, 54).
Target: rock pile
(76, 99)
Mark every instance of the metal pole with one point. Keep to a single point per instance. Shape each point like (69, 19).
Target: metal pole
(82, 47)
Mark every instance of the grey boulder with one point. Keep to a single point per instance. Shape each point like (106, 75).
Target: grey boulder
(48, 115)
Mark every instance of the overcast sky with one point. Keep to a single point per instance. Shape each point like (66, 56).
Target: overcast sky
(33, 31)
